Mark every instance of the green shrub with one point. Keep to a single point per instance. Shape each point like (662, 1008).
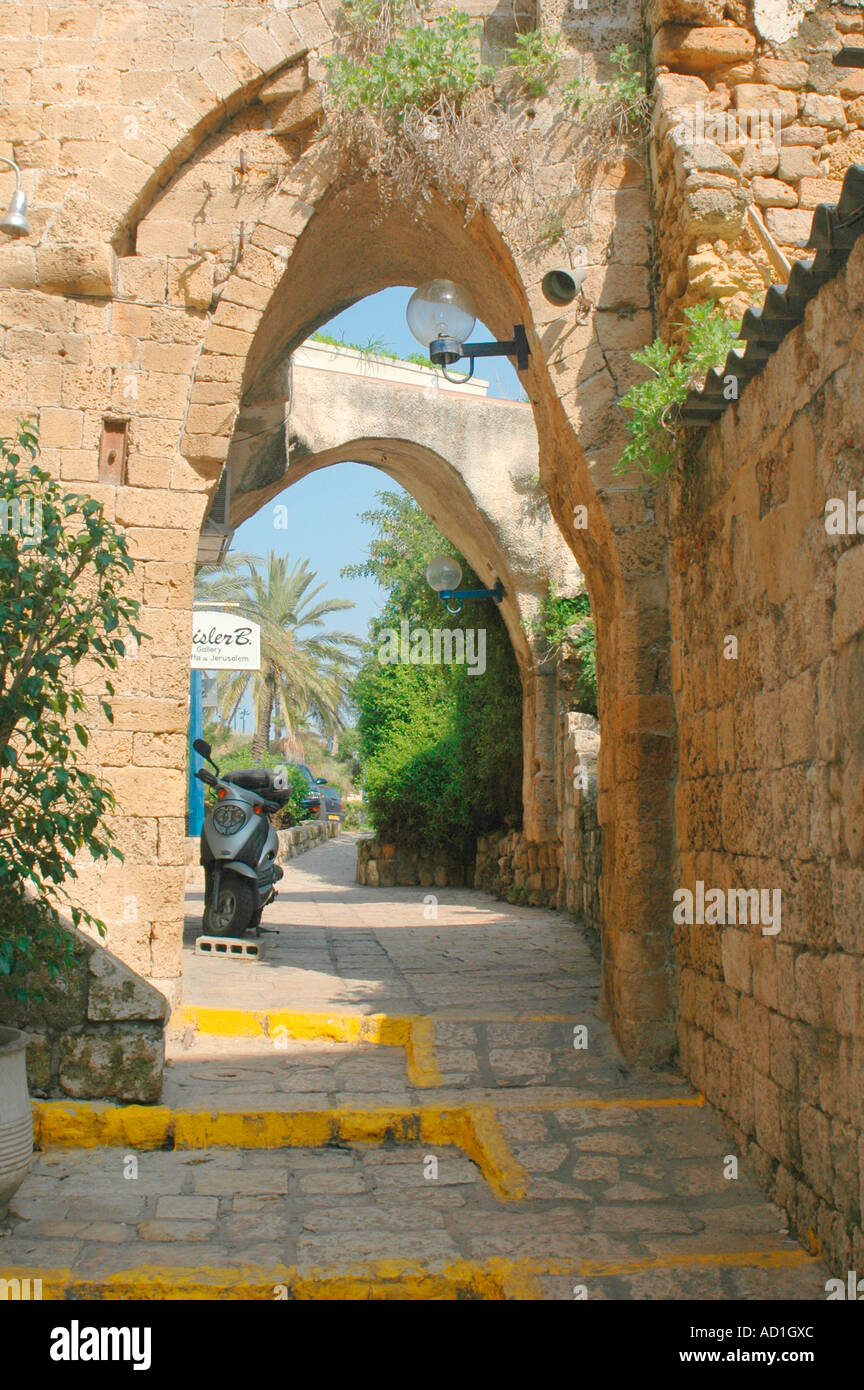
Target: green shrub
(621, 106)
(441, 748)
(535, 60)
(655, 435)
(31, 938)
(568, 621)
(414, 71)
(62, 603)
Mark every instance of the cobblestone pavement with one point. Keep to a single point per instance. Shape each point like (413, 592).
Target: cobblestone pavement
(578, 1176)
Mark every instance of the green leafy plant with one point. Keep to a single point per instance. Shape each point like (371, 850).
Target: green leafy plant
(655, 436)
(415, 70)
(535, 60)
(62, 610)
(567, 621)
(621, 106)
(293, 811)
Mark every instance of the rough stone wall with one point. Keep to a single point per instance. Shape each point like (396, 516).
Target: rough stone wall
(771, 786)
(512, 867)
(576, 760)
(721, 68)
(95, 1031)
(382, 864)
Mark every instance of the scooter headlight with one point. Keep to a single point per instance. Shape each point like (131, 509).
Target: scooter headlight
(228, 817)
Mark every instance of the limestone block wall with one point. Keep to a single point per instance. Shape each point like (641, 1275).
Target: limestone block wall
(576, 760)
(518, 869)
(750, 117)
(94, 1031)
(382, 864)
(768, 673)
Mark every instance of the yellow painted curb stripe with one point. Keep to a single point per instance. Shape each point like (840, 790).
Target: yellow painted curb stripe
(474, 1129)
(421, 1057)
(416, 1035)
(494, 1279)
(292, 1023)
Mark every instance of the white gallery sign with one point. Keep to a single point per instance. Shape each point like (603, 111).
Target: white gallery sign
(224, 642)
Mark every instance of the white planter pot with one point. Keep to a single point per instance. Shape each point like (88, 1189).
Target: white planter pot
(16, 1117)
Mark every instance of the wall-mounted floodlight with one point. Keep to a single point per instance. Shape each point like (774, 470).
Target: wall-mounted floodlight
(443, 574)
(14, 222)
(562, 286)
(441, 316)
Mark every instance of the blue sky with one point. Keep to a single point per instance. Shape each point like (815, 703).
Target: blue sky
(323, 509)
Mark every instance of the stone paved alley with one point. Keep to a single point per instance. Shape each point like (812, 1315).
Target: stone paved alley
(390, 1104)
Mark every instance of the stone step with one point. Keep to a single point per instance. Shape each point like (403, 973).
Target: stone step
(411, 1220)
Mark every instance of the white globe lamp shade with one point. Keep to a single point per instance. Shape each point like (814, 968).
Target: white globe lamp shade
(440, 310)
(443, 572)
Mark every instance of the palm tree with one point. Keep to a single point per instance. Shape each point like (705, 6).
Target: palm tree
(304, 669)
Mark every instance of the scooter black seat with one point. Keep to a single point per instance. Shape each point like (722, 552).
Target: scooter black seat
(252, 779)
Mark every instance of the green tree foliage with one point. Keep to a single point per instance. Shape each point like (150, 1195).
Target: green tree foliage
(64, 621)
(305, 670)
(441, 749)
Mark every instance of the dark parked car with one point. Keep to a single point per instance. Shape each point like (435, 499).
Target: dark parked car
(323, 802)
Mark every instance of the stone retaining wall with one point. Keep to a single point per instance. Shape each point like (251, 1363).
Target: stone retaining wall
(511, 867)
(386, 865)
(94, 1032)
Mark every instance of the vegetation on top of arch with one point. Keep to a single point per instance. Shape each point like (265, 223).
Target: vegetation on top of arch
(414, 68)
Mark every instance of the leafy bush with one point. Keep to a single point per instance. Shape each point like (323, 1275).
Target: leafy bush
(535, 60)
(621, 106)
(655, 437)
(414, 71)
(62, 605)
(32, 938)
(441, 749)
(356, 816)
(293, 811)
(568, 621)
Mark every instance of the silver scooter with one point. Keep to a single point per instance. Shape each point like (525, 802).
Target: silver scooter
(238, 847)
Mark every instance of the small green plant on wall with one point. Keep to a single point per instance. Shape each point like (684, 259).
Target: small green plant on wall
(414, 71)
(620, 107)
(566, 621)
(535, 58)
(655, 437)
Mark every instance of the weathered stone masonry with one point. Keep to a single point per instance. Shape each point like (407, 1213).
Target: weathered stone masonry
(165, 278)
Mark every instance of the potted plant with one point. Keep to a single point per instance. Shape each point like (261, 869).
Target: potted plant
(16, 1120)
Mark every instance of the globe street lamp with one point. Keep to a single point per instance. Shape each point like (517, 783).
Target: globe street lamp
(441, 316)
(443, 574)
(14, 223)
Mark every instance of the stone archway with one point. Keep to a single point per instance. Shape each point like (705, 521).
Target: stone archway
(185, 279)
(472, 466)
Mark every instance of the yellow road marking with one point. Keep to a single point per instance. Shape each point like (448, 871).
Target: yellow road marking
(493, 1279)
(422, 1059)
(474, 1129)
(415, 1034)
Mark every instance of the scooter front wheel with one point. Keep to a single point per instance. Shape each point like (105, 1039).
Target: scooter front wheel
(235, 909)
